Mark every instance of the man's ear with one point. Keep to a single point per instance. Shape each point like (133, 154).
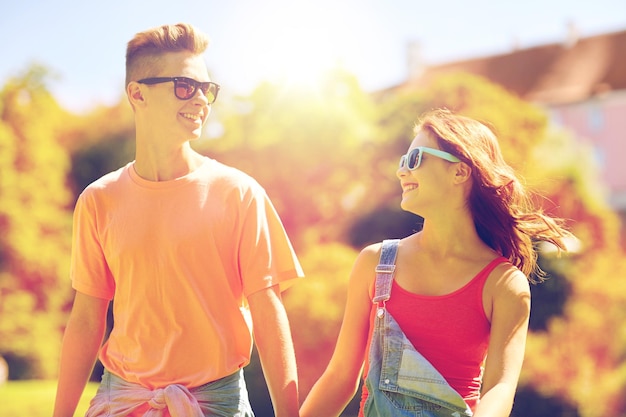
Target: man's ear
(135, 94)
(462, 172)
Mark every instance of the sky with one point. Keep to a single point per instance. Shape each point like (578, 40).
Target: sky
(82, 43)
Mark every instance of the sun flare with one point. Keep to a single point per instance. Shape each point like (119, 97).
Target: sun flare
(297, 43)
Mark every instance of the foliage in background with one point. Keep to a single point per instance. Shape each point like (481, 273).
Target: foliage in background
(573, 359)
(98, 143)
(580, 357)
(327, 158)
(316, 304)
(35, 224)
(310, 148)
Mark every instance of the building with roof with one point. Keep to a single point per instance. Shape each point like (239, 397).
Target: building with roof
(581, 82)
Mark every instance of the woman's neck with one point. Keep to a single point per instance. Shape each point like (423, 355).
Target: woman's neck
(455, 237)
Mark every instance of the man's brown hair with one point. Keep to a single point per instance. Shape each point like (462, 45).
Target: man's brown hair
(146, 48)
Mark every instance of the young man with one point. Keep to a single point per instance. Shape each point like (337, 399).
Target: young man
(191, 251)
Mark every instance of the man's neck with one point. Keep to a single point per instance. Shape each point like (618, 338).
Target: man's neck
(155, 164)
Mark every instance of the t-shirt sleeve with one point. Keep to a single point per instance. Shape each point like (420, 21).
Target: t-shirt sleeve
(89, 271)
(266, 255)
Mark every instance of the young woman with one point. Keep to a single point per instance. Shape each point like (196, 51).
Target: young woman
(447, 338)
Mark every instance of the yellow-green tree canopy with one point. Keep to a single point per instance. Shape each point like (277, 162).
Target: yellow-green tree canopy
(327, 157)
(35, 221)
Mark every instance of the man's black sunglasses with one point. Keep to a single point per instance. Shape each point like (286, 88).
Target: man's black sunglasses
(185, 88)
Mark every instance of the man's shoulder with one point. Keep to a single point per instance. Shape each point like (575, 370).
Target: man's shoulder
(218, 171)
(107, 180)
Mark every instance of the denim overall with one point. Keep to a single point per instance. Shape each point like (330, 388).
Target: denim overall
(400, 381)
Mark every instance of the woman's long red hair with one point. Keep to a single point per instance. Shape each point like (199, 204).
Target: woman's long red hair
(504, 214)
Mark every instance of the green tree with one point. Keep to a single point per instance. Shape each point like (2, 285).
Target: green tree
(100, 142)
(575, 359)
(319, 302)
(328, 159)
(35, 222)
(588, 342)
(309, 148)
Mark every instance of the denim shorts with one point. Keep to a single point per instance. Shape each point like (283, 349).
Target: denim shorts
(225, 397)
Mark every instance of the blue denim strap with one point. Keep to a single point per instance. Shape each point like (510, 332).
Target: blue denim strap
(385, 271)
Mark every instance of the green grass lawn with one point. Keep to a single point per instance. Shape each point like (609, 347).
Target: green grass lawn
(36, 398)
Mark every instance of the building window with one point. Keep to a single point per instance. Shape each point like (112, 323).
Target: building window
(599, 157)
(595, 118)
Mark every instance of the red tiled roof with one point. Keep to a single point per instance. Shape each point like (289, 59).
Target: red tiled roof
(551, 73)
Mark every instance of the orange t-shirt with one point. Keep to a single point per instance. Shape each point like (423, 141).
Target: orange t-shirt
(179, 259)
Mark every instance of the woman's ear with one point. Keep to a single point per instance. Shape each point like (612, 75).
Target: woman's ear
(462, 172)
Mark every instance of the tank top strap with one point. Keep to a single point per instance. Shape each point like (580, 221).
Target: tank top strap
(385, 271)
(482, 276)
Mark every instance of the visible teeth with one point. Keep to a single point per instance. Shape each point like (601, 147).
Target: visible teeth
(410, 187)
(191, 116)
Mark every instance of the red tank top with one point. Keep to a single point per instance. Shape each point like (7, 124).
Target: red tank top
(451, 331)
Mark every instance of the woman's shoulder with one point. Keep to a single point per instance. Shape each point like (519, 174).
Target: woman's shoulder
(506, 280)
(507, 290)
(363, 272)
(369, 255)
(364, 269)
